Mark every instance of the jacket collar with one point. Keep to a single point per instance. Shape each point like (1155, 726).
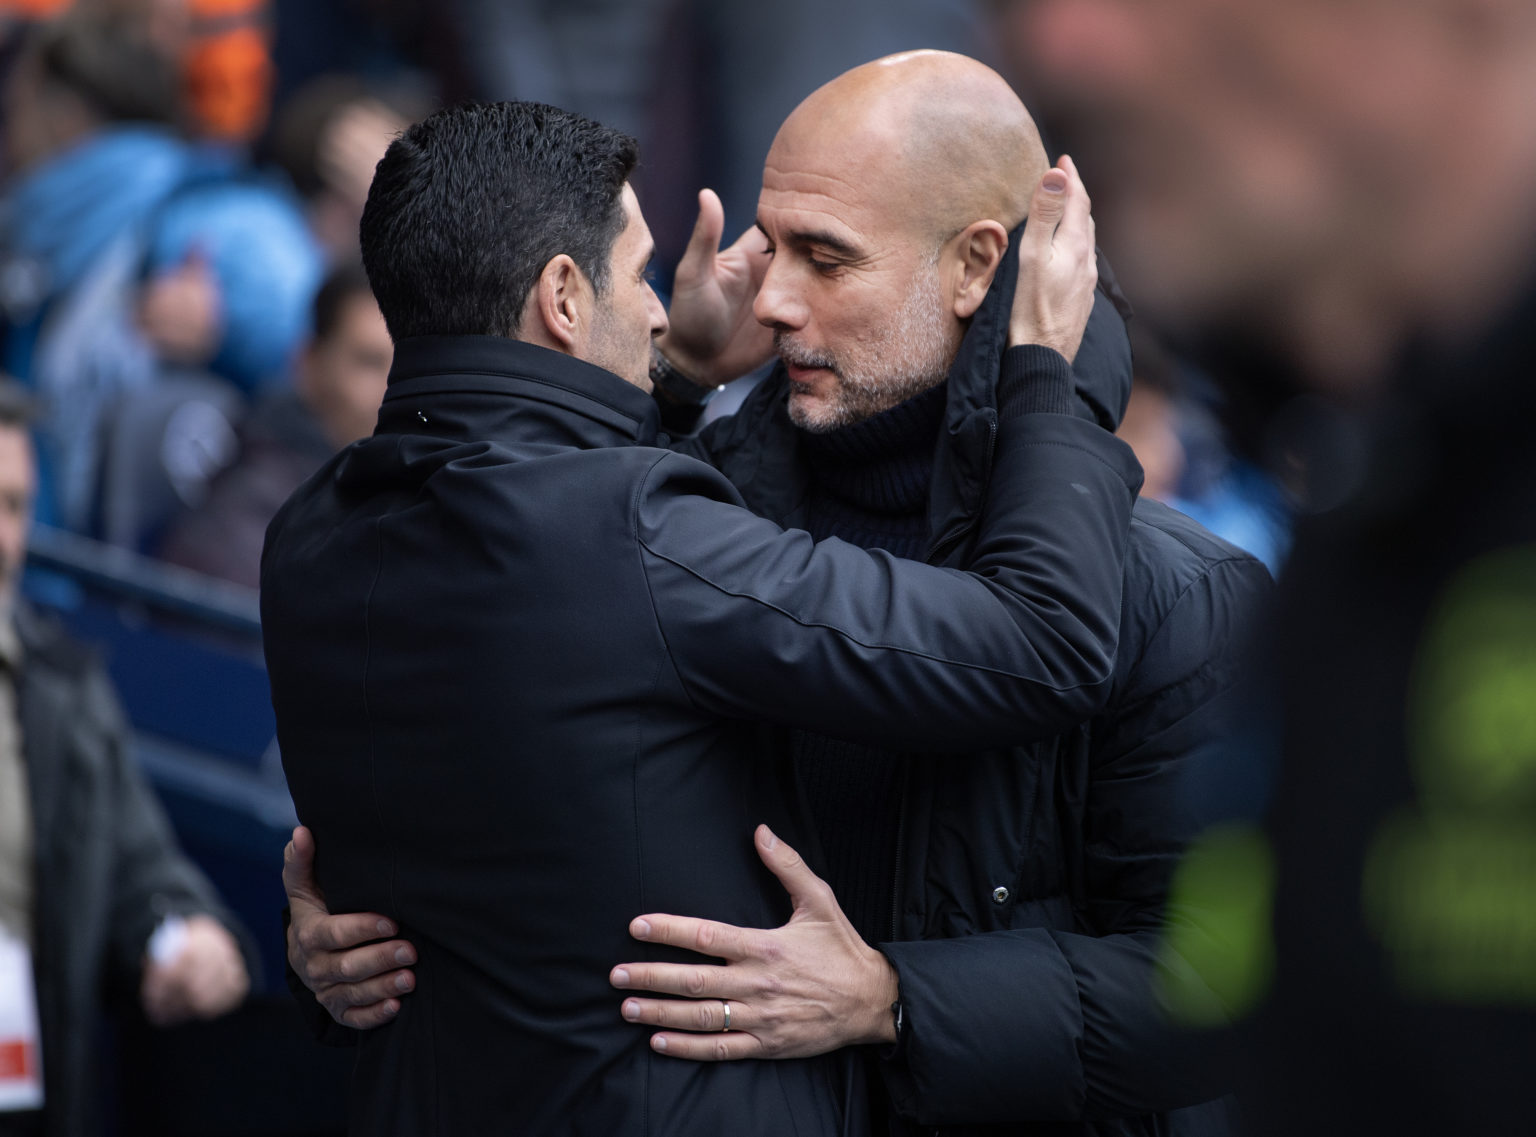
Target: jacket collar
(596, 405)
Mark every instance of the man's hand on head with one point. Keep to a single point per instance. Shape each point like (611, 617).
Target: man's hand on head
(712, 335)
(1058, 265)
(806, 988)
(358, 981)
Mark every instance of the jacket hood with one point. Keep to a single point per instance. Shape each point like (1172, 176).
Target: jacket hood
(1101, 381)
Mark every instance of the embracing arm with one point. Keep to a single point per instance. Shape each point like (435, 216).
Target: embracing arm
(1031, 1023)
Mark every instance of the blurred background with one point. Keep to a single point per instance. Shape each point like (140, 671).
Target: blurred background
(179, 290)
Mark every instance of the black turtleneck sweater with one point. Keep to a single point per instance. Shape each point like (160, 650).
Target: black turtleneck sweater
(869, 487)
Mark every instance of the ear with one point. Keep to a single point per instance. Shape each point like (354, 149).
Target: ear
(562, 304)
(978, 250)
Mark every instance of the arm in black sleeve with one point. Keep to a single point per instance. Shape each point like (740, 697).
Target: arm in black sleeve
(1044, 1024)
(766, 624)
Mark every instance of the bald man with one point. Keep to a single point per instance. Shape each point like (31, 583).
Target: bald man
(1015, 895)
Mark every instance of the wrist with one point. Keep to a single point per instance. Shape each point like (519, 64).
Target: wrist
(1034, 379)
(882, 1003)
(677, 379)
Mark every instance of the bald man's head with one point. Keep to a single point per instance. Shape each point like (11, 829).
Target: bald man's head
(888, 197)
(941, 136)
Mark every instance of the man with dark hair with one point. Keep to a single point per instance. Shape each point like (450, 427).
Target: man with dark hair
(473, 279)
(337, 384)
(539, 648)
(89, 868)
(1020, 894)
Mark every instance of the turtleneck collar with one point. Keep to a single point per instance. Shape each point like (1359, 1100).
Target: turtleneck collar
(884, 463)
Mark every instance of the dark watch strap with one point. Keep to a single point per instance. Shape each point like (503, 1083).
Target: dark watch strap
(674, 384)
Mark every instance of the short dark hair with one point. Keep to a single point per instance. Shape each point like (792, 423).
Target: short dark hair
(470, 204)
(341, 284)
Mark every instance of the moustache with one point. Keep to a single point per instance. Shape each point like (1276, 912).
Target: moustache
(791, 352)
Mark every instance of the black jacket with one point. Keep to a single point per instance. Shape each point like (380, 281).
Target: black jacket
(107, 865)
(1032, 879)
(517, 657)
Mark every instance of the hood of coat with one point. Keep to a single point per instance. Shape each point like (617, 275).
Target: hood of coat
(962, 462)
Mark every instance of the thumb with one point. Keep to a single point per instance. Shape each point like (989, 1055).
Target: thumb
(299, 868)
(1047, 206)
(805, 888)
(705, 240)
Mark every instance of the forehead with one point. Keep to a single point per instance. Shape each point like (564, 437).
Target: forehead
(853, 188)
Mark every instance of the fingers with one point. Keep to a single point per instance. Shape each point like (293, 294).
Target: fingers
(342, 997)
(322, 932)
(707, 231)
(357, 965)
(707, 937)
(1076, 224)
(366, 1018)
(695, 981)
(752, 247)
(708, 1047)
(703, 1015)
(805, 888)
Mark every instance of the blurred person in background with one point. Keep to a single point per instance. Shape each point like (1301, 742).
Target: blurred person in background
(98, 906)
(328, 136)
(1362, 234)
(126, 250)
(337, 385)
(221, 48)
(1188, 460)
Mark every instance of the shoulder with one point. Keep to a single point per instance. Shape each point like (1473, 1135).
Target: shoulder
(66, 677)
(1190, 598)
(48, 647)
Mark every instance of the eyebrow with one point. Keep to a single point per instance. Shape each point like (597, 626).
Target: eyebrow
(822, 237)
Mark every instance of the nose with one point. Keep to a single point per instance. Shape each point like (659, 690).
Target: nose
(777, 305)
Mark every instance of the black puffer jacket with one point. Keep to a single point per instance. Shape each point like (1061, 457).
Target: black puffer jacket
(1031, 882)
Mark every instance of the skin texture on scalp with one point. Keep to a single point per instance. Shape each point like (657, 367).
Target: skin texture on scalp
(944, 137)
(896, 159)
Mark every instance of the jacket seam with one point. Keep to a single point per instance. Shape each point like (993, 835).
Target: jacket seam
(876, 646)
(1204, 575)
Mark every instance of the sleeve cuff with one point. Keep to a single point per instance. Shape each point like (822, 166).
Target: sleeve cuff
(1034, 380)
